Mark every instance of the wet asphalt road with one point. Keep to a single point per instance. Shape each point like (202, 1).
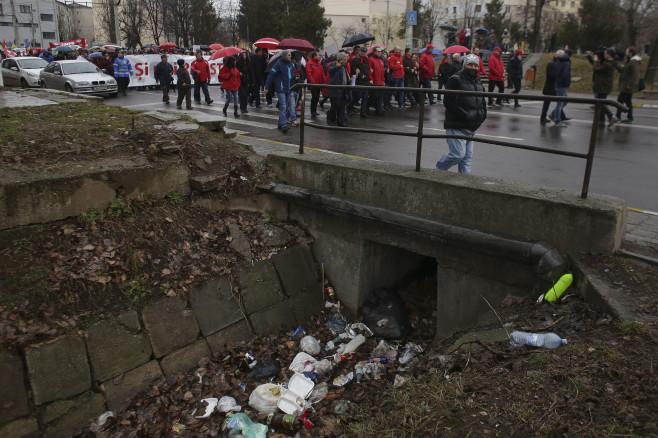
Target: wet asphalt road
(625, 165)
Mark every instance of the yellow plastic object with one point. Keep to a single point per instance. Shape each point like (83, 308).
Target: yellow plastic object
(558, 288)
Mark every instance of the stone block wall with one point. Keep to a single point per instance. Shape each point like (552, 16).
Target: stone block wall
(58, 386)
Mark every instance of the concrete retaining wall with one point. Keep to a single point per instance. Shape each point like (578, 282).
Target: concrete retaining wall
(521, 211)
(121, 357)
(71, 191)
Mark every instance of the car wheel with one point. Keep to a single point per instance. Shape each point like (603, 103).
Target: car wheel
(43, 84)
(68, 88)
(24, 83)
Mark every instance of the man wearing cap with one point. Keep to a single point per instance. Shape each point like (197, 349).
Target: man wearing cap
(464, 115)
(164, 72)
(378, 78)
(496, 75)
(123, 70)
(359, 66)
(427, 70)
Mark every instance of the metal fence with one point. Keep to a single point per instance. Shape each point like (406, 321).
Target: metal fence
(420, 135)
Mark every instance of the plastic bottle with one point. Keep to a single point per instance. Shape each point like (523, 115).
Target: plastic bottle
(354, 344)
(282, 422)
(543, 340)
(558, 289)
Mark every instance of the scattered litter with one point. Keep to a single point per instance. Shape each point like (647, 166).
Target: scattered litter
(227, 404)
(399, 381)
(337, 323)
(211, 404)
(299, 330)
(352, 346)
(410, 351)
(200, 378)
(343, 379)
(265, 397)
(293, 398)
(558, 288)
(266, 367)
(542, 340)
(310, 345)
(103, 418)
(342, 407)
(384, 313)
(319, 393)
(242, 423)
(358, 328)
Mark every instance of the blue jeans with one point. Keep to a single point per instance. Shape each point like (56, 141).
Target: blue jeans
(461, 152)
(283, 108)
(399, 82)
(557, 112)
(292, 105)
(198, 86)
(427, 83)
(231, 95)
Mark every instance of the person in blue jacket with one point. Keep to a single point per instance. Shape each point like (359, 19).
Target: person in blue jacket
(282, 77)
(123, 70)
(47, 56)
(562, 73)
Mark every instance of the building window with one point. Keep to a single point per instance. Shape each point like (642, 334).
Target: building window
(47, 17)
(478, 8)
(0, 9)
(573, 4)
(564, 3)
(454, 10)
(49, 35)
(25, 9)
(508, 9)
(518, 9)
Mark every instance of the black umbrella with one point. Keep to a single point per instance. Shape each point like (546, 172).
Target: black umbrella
(447, 26)
(358, 39)
(274, 59)
(204, 48)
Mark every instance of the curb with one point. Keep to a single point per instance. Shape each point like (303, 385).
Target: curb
(645, 105)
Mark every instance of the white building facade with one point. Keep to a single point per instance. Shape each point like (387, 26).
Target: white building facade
(31, 20)
(75, 20)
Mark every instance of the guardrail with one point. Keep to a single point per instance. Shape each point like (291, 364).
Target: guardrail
(420, 135)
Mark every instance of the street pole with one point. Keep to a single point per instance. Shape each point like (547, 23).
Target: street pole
(409, 34)
(387, 23)
(115, 6)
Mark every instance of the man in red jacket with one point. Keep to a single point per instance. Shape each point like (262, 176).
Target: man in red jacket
(201, 74)
(397, 70)
(315, 75)
(427, 69)
(377, 78)
(496, 75)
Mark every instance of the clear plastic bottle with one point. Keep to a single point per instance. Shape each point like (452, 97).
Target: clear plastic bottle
(542, 340)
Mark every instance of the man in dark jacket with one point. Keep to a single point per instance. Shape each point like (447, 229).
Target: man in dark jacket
(464, 115)
(337, 76)
(256, 78)
(281, 78)
(562, 83)
(604, 78)
(164, 74)
(359, 66)
(549, 88)
(629, 82)
(515, 74)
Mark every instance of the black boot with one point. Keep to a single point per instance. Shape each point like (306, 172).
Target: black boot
(225, 108)
(237, 115)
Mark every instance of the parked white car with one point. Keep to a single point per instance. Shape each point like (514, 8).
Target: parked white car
(22, 71)
(77, 77)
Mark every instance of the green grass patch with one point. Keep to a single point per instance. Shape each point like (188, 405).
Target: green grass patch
(541, 360)
(633, 328)
(175, 198)
(136, 289)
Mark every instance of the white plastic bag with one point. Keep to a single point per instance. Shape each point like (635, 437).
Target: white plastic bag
(302, 362)
(265, 397)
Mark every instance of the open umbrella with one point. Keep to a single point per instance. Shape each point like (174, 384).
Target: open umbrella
(482, 30)
(274, 59)
(167, 46)
(358, 39)
(435, 51)
(295, 44)
(226, 51)
(204, 48)
(371, 48)
(267, 43)
(216, 46)
(95, 55)
(456, 49)
(448, 26)
(63, 49)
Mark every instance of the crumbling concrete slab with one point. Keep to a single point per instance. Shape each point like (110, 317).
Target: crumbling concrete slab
(208, 181)
(163, 116)
(127, 385)
(296, 269)
(23, 428)
(185, 358)
(215, 306)
(115, 348)
(486, 337)
(239, 332)
(239, 241)
(169, 325)
(183, 127)
(67, 418)
(58, 370)
(13, 396)
(273, 318)
(259, 286)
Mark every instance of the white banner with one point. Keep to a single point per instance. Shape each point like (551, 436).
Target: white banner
(144, 68)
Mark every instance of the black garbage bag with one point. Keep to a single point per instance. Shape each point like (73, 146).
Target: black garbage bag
(384, 313)
(266, 367)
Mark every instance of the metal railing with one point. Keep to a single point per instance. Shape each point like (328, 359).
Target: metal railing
(420, 135)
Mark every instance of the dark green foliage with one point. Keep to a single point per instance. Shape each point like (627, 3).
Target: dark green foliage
(599, 27)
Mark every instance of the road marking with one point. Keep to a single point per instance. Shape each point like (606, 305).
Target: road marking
(479, 135)
(296, 146)
(653, 213)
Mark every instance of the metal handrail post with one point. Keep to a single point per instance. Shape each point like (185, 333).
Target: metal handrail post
(421, 119)
(301, 124)
(590, 151)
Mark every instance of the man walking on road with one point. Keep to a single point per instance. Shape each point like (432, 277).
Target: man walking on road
(123, 70)
(562, 75)
(629, 82)
(496, 75)
(164, 74)
(427, 70)
(464, 115)
(281, 78)
(315, 75)
(604, 79)
(201, 74)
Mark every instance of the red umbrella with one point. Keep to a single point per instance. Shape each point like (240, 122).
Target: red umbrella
(456, 49)
(167, 46)
(216, 46)
(371, 48)
(226, 51)
(295, 44)
(267, 43)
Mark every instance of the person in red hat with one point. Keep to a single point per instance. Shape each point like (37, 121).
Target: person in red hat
(427, 70)
(496, 75)
(515, 74)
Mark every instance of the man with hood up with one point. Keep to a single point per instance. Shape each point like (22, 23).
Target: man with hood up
(464, 115)
(282, 77)
(629, 82)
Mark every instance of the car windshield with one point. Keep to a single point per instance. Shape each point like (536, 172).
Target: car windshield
(76, 68)
(32, 63)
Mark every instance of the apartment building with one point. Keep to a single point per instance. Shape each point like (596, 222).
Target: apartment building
(75, 20)
(31, 20)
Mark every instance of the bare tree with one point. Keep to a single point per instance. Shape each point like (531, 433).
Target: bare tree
(636, 12)
(229, 26)
(131, 22)
(154, 18)
(65, 24)
(433, 17)
(106, 19)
